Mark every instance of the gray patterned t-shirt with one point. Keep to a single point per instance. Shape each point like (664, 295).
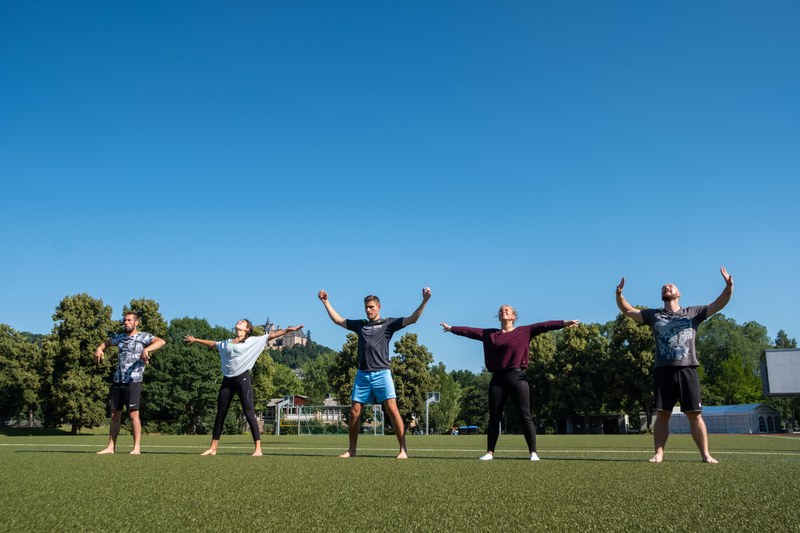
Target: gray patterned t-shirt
(675, 333)
(130, 367)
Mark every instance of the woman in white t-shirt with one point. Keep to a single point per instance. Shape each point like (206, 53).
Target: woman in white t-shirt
(238, 355)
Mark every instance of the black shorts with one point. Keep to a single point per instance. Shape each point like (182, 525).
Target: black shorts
(125, 395)
(674, 384)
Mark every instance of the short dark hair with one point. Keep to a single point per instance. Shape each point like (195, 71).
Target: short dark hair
(134, 313)
(372, 298)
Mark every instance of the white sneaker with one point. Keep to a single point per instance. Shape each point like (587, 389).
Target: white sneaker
(487, 457)
(534, 457)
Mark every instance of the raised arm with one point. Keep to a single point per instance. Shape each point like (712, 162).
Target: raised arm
(338, 320)
(152, 347)
(723, 299)
(426, 295)
(191, 340)
(282, 332)
(627, 309)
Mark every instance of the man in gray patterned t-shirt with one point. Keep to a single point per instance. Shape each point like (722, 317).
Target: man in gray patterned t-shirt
(134, 353)
(675, 376)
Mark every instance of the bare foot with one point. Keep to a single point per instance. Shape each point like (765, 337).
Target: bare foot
(403, 455)
(657, 458)
(106, 451)
(348, 454)
(257, 453)
(136, 451)
(210, 451)
(710, 460)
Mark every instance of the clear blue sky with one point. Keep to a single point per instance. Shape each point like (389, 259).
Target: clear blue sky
(229, 160)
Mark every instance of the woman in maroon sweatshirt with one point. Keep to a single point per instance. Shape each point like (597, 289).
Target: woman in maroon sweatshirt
(505, 353)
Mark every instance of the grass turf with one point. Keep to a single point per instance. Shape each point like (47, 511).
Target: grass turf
(600, 483)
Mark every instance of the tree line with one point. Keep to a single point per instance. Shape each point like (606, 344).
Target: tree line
(591, 369)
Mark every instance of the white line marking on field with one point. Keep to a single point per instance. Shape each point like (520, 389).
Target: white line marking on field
(275, 450)
(782, 437)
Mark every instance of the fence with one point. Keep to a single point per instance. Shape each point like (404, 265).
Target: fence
(323, 419)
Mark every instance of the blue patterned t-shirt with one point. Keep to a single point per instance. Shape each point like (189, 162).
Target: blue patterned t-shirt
(130, 368)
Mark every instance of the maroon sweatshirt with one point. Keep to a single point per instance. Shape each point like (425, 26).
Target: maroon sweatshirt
(504, 351)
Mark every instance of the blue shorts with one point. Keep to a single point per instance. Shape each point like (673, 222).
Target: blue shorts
(378, 384)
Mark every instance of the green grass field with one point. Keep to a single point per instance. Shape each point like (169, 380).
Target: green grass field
(583, 483)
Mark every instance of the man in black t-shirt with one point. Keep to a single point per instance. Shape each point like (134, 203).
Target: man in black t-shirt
(675, 376)
(374, 379)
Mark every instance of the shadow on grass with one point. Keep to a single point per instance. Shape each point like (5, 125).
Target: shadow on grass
(33, 432)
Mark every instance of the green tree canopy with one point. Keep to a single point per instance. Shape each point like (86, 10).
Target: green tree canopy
(150, 319)
(20, 380)
(343, 371)
(316, 383)
(442, 415)
(180, 385)
(412, 375)
(77, 388)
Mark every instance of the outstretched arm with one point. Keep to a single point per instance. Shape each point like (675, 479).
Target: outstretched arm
(426, 295)
(627, 309)
(282, 332)
(338, 320)
(191, 340)
(723, 299)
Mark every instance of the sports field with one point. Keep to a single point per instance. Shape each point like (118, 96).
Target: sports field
(583, 483)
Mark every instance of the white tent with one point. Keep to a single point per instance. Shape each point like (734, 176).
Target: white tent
(743, 418)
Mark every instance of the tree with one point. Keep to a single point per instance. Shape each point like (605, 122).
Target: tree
(474, 401)
(541, 355)
(412, 376)
(628, 375)
(720, 339)
(286, 381)
(443, 415)
(76, 389)
(782, 341)
(735, 383)
(577, 386)
(19, 379)
(316, 383)
(180, 390)
(342, 373)
(296, 356)
(150, 319)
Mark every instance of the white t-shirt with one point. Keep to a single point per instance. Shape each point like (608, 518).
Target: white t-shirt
(238, 358)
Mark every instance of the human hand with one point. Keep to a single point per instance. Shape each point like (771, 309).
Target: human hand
(728, 277)
(426, 294)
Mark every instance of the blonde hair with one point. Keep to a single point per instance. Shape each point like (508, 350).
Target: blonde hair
(513, 310)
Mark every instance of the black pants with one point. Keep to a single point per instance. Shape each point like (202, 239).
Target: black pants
(242, 386)
(515, 385)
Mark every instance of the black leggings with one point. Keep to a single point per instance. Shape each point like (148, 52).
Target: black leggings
(513, 384)
(242, 385)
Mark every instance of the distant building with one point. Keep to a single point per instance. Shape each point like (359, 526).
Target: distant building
(292, 338)
(742, 418)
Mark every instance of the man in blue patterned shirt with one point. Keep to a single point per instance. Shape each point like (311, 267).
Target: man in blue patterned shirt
(135, 348)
